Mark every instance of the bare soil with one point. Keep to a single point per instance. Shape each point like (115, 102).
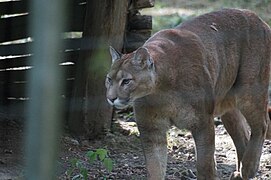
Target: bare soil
(123, 145)
(125, 149)
(11, 154)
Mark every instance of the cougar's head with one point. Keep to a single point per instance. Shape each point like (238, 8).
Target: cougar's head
(131, 76)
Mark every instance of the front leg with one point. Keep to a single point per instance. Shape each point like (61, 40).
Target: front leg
(204, 137)
(154, 143)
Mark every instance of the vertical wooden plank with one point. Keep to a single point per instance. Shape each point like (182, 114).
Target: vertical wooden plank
(104, 25)
(44, 111)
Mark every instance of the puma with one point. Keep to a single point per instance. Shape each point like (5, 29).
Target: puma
(216, 64)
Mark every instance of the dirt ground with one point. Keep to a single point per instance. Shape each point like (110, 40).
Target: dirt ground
(125, 150)
(11, 153)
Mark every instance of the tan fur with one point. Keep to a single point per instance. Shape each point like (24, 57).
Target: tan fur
(214, 65)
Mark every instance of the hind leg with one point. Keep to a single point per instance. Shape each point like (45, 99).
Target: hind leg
(236, 126)
(254, 109)
(251, 157)
(251, 94)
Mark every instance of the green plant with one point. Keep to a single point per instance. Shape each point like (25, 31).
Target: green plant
(102, 156)
(78, 170)
(77, 166)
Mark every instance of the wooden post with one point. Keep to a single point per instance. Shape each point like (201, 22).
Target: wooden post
(44, 112)
(105, 24)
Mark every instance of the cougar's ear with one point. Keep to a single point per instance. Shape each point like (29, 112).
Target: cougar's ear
(115, 55)
(143, 58)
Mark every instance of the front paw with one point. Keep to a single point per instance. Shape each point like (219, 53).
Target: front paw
(236, 176)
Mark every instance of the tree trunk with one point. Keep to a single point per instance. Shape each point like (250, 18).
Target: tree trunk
(104, 25)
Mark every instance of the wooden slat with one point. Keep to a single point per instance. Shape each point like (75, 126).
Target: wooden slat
(22, 75)
(19, 90)
(13, 76)
(72, 44)
(75, 25)
(13, 7)
(14, 28)
(15, 62)
(68, 71)
(68, 88)
(76, 17)
(14, 89)
(22, 6)
(70, 56)
(14, 49)
(23, 48)
(14, 109)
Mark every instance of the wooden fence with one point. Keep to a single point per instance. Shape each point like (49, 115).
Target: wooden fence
(15, 42)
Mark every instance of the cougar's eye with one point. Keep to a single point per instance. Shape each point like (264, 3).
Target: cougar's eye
(109, 80)
(125, 81)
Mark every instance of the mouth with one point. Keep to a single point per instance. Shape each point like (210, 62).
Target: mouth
(120, 104)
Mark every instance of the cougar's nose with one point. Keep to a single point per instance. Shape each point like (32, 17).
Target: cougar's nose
(111, 100)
